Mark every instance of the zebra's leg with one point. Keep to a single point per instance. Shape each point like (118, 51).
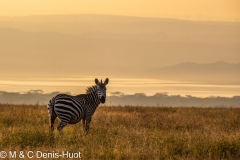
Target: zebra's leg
(87, 123)
(84, 118)
(61, 126)
(86, 128)
(83, 121)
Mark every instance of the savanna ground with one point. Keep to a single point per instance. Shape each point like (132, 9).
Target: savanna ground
(127, 133)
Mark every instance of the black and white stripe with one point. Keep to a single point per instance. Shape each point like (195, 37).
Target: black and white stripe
(72, 109)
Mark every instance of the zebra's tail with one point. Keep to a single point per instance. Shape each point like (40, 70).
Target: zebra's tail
(50, 107)
(51, 113)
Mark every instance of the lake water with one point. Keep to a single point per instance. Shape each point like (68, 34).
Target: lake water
(124, 85)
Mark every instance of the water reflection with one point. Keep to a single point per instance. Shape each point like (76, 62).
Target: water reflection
(77, 85)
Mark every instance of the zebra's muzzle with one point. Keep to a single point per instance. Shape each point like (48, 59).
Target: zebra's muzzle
(102, 99)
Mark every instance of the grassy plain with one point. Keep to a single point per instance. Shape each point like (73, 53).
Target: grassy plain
(127, 133)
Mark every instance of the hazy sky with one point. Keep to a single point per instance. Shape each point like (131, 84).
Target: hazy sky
(33, 49)
(220, 10)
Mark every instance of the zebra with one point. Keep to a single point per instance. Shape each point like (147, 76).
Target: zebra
(72, 109)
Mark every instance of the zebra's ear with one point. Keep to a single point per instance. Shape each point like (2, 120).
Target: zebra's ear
(97, 81)
(106, 81)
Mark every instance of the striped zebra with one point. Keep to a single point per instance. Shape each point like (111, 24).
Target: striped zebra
(72, 109)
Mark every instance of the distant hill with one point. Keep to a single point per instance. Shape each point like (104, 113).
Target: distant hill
(217, 72)
(82, 23)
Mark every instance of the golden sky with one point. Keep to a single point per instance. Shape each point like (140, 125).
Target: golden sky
(213, 10)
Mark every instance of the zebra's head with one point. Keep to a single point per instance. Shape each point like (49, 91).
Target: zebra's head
(101, 89)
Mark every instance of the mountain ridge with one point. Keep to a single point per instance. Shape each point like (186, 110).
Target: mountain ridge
(115, 16)
(188, 63)
(217, 71)
(92, 21)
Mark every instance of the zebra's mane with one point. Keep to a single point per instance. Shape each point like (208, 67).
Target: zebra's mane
(91, 89)
(80, 95)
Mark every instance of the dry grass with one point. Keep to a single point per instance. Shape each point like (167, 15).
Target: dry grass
(128, 133)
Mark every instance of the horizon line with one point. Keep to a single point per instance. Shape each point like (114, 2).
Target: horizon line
(116, 15)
